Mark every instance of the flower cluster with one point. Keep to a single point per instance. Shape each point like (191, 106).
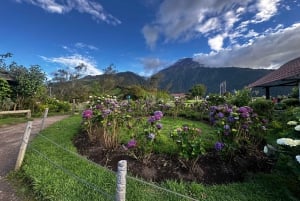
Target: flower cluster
(87, 114)
(219, 146)
(235, 125)
(288, 141)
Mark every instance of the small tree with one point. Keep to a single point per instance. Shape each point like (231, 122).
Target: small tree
(29, 82)
(198, 90)
(5, 91)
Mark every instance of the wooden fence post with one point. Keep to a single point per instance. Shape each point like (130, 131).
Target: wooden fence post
(121, 181)
(28, 114)
(44, 118)
(23, 145)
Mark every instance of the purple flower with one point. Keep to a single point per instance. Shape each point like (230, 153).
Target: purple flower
(151, 119)
(213, 108)
(220, 115)
(87, 114)
(226, 127)
(230, 119)
(158, 115)
(131, 144)
(243, 110)
(229, 110)
(219, 146)
(245, 115)
(99, 107)
(151, 136)
(106, 112)
(159, 126)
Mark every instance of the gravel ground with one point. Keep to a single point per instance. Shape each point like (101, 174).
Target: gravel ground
(10, 141)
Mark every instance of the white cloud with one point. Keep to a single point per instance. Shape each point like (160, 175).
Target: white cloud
(210, 25)
(74, 60)
(151, 35)
(152, 65)
(266, 9)
(216, 43)
(264, 51)
(186, 20)
(83, 45)
(83, 6)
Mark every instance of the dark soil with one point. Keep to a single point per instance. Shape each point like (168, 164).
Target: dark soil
(210, 168)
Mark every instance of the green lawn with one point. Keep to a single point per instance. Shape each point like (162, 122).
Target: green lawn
(55, 174)
(5, 121)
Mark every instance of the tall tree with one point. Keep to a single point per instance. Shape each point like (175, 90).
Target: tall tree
(65, 83)
(108, 81)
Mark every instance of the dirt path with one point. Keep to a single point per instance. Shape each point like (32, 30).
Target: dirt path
(10, 141)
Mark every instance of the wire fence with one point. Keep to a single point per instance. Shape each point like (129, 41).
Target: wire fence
(136, 189)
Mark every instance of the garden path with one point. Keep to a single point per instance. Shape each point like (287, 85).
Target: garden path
(10, 141)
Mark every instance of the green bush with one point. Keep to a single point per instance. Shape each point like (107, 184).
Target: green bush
(263, 107)
(290, 102)
(55, 105)
(241, 98)
(280, 106)
(215, 99)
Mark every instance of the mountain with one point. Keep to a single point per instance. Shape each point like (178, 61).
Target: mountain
(122, 78)
(185, 73)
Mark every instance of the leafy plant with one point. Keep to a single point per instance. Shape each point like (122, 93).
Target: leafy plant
(144, 141)
(189, 142)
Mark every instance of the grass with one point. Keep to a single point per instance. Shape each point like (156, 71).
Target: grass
(54, 174)
(5, 121)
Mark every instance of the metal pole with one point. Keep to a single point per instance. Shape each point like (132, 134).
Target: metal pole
(121, 181)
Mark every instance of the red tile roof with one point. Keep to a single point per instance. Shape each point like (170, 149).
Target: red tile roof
(287, 74)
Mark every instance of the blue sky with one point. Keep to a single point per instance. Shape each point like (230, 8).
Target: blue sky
(144, 36)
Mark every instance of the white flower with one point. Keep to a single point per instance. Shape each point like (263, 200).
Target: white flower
(292, 123)
(265, 149)
(297, 142)
(297, 128)
(287, 141)
(298, 158)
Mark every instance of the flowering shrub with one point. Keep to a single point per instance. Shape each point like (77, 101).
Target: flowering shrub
(288, 150)
(103, 120)
(189, 142)
(236, 127)
(142, 142)
(289, 145)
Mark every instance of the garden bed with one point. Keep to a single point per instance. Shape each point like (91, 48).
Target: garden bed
(210, 168)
